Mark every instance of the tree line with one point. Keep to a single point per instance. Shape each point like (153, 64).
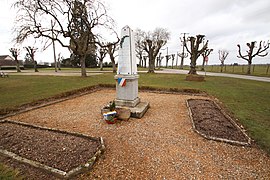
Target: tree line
(76, 25)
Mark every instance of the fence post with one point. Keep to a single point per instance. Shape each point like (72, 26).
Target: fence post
(242, 68)
(253, 68)
(267, 68)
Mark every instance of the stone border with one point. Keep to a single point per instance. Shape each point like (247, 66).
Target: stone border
(59, 173)
(216, 138)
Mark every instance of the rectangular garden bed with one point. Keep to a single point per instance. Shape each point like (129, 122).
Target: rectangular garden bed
(210, 121)
(60, 152)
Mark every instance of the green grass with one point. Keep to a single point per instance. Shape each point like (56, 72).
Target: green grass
(246, 100)
(18, 90)
(256, 70)
(7, 173)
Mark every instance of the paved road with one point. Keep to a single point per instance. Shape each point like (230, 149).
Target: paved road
(178, 71)
(164, 71)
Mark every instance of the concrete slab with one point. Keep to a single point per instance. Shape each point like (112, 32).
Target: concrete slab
(139, 110)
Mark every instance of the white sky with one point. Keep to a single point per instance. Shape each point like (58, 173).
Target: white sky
(225, 23)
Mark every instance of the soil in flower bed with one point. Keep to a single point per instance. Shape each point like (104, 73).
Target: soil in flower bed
(210, 121)
(59, 150)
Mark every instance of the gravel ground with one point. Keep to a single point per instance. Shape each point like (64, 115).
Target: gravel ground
(161, 145)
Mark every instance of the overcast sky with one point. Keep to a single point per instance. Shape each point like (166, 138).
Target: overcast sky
(225, 23)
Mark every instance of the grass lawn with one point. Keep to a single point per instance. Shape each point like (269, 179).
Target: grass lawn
(7, 173)
(248, 101)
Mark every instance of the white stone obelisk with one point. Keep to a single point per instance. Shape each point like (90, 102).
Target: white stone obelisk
(127, 77)
(127, 54)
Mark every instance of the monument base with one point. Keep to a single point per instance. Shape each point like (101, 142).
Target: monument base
(127, 103)
(139, 110)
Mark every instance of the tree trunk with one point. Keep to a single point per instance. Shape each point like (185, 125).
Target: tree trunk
(114, 67)
(35, 66)
(221, 68)
(144, 63)
(151, 63)
(192, 65)
(203, 64)
(182, 63)
(83, 69)
(101, 65)
(249, 67)
(18, 66)
(113, 63)
(141, 62)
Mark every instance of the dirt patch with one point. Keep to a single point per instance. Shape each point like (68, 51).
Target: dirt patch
(212, 123)
(57, 149)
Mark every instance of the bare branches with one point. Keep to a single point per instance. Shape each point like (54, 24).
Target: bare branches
(31, 55)
(222, 55)
(152, 43)
(261, 52)
(195, 50)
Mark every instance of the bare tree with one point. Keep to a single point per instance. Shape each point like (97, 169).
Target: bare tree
(112, 48)
(139, 48)
(59, 60)
(173, 56)
(101, 53)
(183, 55)
(251, 53)
(159, 59)
(222, 57)
(76, 20)
(31, 55)
(205, 55)
(153, 43)
(144, 61)
(167, 57)
(195, 51)
(15, 53)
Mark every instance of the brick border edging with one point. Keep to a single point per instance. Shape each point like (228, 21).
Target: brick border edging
(62, 174)
(216, 138)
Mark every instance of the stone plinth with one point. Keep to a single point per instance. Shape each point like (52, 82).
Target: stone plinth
(127, 96)
(129, 92)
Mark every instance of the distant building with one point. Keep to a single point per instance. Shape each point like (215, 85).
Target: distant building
(7, 62)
